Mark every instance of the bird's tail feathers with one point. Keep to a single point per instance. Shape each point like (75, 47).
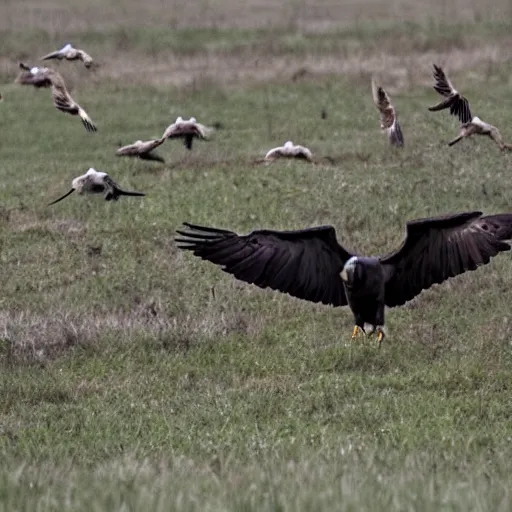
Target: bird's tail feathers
(120, 192)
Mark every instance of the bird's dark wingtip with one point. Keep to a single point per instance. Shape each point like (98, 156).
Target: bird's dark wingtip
(185, 244)
(208, 229)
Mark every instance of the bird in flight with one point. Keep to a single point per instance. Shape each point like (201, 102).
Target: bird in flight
(388, 118)
(289, 150)
(310, 264)
(142, 149)
(459, 107)
(96, 182)
(47, 77)
(186, 130)
(68, 52)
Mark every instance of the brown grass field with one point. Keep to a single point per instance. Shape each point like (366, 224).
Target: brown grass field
(125, 383)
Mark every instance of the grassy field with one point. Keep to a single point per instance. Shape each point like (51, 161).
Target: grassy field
(126, 384)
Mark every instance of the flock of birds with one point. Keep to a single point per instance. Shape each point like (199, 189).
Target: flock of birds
(455, 101)
(310, 264)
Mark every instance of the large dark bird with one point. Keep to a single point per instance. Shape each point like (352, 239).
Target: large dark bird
(456, 102)
(310, 264)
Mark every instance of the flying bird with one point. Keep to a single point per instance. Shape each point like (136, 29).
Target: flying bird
(142, 149)
(479, 127)
(47, 77)
(95, 182)
(186, 130)
(388, 117)
(68, 52)
(459, 106)
(289, 150)
(456, 102)
(310, 264)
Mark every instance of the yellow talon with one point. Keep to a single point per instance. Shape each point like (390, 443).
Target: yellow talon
(355, 332)
(380, 337)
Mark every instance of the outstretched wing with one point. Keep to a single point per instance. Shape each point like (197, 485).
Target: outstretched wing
(53, 55)
(85, 58)
(60, 94)
(388, 118)
(274, 153)
(110, 184)
(495, 135)
(383, 103)
(305, 264)
(129, 150)
(139, 148)
(458, 104)
(113, 191)
(438, 248)
(443, 84)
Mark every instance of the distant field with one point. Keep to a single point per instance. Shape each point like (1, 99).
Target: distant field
(125, 384)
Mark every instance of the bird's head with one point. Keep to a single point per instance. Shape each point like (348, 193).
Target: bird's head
(193, 120)
(66, 47)
(352, 271)
(78, 183)
(288, 144)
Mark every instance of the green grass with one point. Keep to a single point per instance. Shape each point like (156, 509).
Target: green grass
(126, 385)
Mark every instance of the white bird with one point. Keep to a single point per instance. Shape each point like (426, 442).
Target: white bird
(388, 117)
(289, 150)
(187, 130)
(47, 77)
(142, 149)
(68, 52)
(95, 182)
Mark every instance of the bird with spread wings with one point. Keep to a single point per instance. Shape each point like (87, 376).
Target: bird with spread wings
(188, 130)
(47, 77)
(310, 264)
(288, 150)
(97, 182)
(69, 52)
(459, 107)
